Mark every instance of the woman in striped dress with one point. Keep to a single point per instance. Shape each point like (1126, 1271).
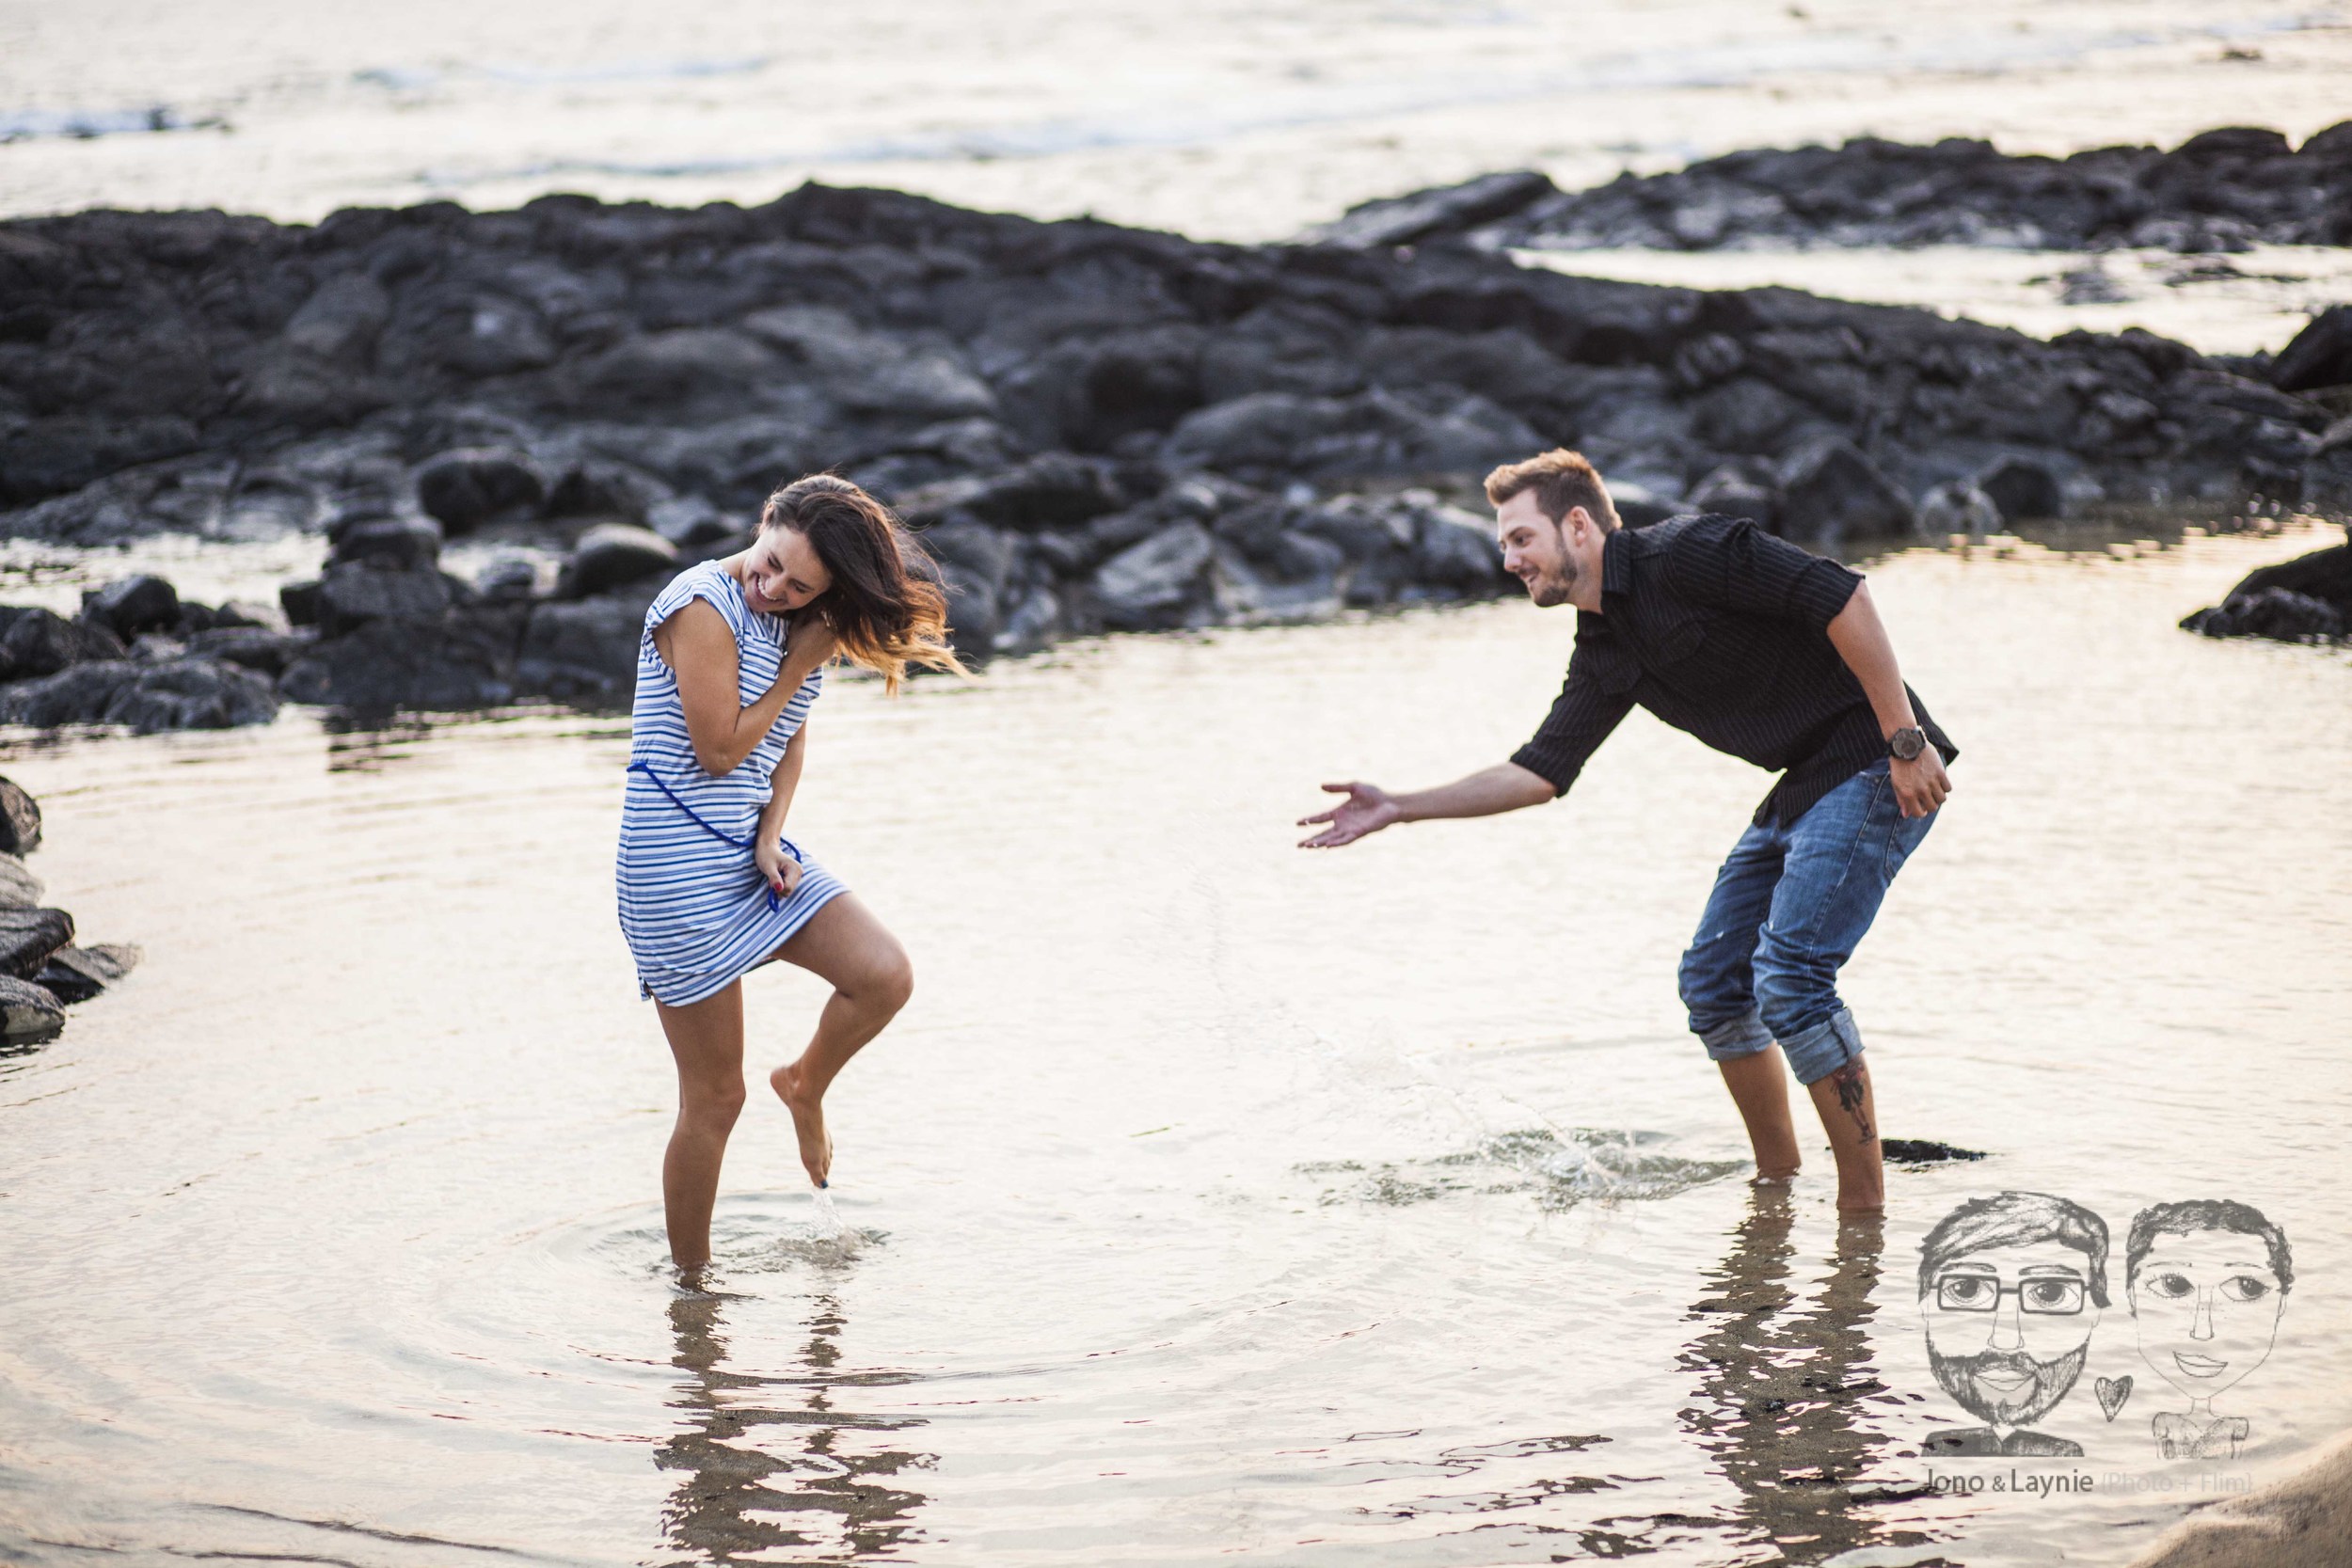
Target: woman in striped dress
(709, 886)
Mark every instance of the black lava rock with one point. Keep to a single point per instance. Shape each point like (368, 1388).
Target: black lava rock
(1450, 210)
(19, 887)
(2280, 613)
(353, 595)
(29, 1014)
(2319, 356)
(27, 937)
(129, 606)
(612, 555)
(254, 648)
(464, 658)
(74, 974)
(2224, 189)
(467, 488)
(1098, 426)
(1831, 492)
(2023, 489)
(40, 642)
(171, 694)
(398, 544)
(20, 819)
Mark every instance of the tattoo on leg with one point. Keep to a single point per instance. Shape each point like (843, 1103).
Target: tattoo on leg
(1853, 1083)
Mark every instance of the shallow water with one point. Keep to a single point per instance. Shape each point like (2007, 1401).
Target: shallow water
(1211, 1199)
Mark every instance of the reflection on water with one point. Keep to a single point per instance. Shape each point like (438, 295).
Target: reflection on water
(1779, 1384)
(766, 1463)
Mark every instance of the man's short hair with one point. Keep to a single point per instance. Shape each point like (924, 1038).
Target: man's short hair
(2015, 1219)
(2204, 1214)
(1562, 480)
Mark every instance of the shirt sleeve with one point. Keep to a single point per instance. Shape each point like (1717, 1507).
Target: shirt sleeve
(1581, 719)
(1730, 564)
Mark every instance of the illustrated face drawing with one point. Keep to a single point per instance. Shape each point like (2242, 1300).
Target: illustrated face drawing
(2207, 1280)
(2011, 1288)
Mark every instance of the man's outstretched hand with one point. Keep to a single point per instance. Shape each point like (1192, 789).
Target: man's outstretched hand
(1367, 810)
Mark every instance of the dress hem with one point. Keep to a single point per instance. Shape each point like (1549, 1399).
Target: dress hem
(712, 988)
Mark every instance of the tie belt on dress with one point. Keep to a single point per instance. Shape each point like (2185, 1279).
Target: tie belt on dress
(719, 833)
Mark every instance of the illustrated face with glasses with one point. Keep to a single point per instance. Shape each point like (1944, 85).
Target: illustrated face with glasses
(2008, 1329)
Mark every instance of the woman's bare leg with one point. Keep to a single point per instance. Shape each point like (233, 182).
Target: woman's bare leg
(871, 980)
(706, 1038)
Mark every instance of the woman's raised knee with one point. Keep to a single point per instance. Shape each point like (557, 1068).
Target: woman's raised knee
(889, 980)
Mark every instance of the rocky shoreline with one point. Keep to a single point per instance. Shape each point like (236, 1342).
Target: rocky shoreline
(41, 972)
(2222, 190)
(1096, 428)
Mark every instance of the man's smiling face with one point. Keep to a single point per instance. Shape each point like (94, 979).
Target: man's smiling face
(2009, 1329)
(1535, 549)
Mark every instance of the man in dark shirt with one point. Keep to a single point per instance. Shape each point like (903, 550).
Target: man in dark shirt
(1774, 656)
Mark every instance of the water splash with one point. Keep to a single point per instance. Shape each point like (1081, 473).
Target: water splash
(1561, 1169)
(829, 1220)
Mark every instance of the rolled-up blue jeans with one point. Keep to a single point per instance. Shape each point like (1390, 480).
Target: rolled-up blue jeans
(1788, 908)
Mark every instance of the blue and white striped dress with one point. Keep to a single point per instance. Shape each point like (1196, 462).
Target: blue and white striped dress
(694, 907)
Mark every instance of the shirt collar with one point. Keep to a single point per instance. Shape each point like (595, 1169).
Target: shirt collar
(1616, 561)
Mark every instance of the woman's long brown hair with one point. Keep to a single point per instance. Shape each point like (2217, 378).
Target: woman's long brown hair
(884, 605)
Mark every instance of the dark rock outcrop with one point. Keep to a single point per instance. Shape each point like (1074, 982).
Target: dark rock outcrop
(41, 969)
(19, 888)
(2024, 489)
(29, 936)
(20, 823)
(2303, 600)
(42, 642)
(614, 555)
(2319, 356)
(173, 695)
(129, 606)
(463, 490)
(1096, 427)
(77, 973)
(2221, 190)
(30, 1014)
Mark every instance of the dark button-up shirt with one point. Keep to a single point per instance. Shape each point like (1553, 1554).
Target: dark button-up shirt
(1722, 631)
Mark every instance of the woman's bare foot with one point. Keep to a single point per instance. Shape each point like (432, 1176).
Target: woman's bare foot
(808, 1120)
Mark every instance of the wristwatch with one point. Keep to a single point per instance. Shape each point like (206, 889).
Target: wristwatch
(1905, 745)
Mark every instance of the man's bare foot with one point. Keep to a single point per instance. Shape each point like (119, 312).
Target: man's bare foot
(808, 1120)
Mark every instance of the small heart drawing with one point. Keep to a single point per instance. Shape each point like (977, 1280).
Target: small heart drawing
(2112, 1392)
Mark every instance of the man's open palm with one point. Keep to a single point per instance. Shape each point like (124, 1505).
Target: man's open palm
(1366, 810)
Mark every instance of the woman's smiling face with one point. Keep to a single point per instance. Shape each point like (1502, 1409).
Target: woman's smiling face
(781, 572)
(2207, 1305)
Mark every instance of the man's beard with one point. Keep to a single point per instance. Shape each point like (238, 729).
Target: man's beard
(1553, 589)
(2049, 1382)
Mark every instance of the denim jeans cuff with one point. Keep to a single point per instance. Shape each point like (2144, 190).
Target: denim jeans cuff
(1815, 1054)
(1742, 1037)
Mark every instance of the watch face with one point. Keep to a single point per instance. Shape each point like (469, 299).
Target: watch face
(1907, 744)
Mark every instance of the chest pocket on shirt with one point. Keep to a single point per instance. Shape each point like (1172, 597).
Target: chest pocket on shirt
(1675, 632)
